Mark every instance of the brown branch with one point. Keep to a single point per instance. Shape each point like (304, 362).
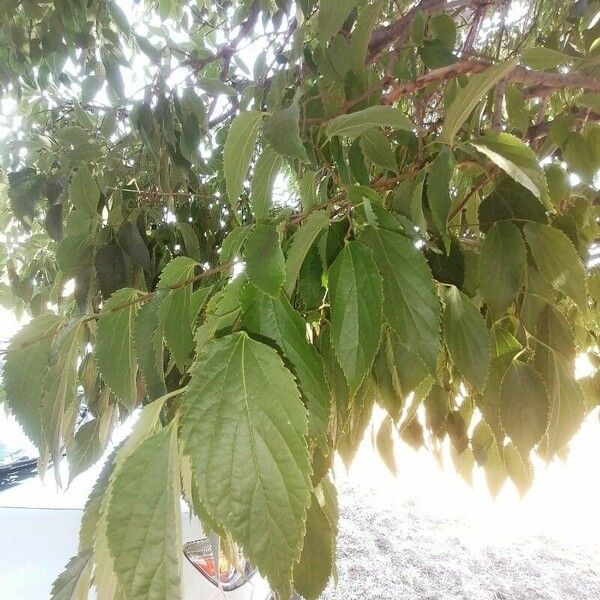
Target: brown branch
(544, 82)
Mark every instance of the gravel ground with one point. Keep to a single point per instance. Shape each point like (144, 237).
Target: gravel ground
(399, 550)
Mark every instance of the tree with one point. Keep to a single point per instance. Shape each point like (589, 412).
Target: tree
(430, 253)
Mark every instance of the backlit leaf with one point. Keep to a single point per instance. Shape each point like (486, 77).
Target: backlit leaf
(354, 124)
(275, 319)
(410, 305)
(469, 96)
(264, 259)
(238, 151)
(524, 406)
(467, 338)
(557, 261)
(144, 519)
(249, 452)
(501, 266)
(114, 344)
(356, 298)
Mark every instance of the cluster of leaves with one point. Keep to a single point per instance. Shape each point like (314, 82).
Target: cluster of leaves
(431, 255)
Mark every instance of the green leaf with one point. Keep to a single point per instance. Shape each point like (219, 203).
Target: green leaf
(74, 582)
(238, 151)
(25, 365)
(591, 101)
(175, 311)
(148, 341)
(265, 263)
(222, 312)
(411, 305)
(190, 241)
(544, 59)
(215, 87)
(468, 97)
(282, 131)
(385, 444)
(59, 402)
(313, 570)
(302, 241)
(467, 338)
(518, 114)
(438, 188)
(87, 447)
(331, 16)
(144, 519)
(275, 319)
(516, 159)
(510, 202)
(555, 360)
(524, 406)
(559, 188)
(354, 124)
(267, 167)
(377, 148)
(519, 470)
(501, 266)
(359, 44)
(83, 191)
(114, 344)
(356, 299)
(557, 261)
(249, 452)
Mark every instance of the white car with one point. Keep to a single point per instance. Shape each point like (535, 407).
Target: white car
(39, 531)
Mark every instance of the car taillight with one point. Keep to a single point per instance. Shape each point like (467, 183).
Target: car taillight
(230, 577)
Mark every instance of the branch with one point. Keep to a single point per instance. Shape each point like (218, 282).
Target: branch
(544, 82)
(398, 30)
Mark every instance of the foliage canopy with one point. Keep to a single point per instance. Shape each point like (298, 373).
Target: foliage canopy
(256, 219)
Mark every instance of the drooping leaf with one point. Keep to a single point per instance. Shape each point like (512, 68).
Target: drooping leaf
(222, 312)
(510, 202)
(275, 319)
(385, 444)
(238, 151)
(467, 338)
(354, 124)
(438, 188)
(524, 406)
(25, 366)
(74, 582)
(144, 519)
(83, 191)
(114, 344)
(557, 261)
(501, 266)
(252, 467)
(519, 470)
(377, 148)
(175, 311)
(331, 17)
(265, 262)
(302, 241)
(282, 131)
(265, 172)
(411, 305)
(313, 570)
(148, 342)
(59, 402)
(516, 159)
(469, 96)
(356, 299)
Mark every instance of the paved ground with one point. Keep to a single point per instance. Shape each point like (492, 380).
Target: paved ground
(397, 549)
